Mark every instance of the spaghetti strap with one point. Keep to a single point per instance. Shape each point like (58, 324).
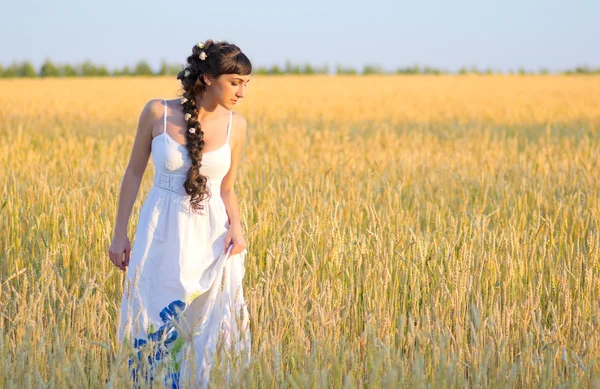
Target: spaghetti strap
(165, 118)
(229, 126)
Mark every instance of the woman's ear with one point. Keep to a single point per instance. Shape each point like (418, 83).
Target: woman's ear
(207, 79)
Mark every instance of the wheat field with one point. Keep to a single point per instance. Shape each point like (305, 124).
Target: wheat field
(403, 231)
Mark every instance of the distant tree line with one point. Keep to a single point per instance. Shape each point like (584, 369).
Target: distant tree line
(84, 69)
(142, 68)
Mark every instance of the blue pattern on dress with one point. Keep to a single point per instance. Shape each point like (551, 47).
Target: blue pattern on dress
(161, 339)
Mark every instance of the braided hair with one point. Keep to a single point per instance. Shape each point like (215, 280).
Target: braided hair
(208, 58)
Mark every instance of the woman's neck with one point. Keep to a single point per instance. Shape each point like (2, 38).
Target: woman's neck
(207, 109)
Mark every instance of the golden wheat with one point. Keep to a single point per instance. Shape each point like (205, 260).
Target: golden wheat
(403, 231)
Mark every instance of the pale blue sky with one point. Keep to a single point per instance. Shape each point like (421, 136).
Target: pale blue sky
(502, 34)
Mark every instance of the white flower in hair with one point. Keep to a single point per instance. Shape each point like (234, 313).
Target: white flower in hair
(187, 73)
(192, 130)
(187, 116)
(200, 45)
(202, 55)
(183, 100)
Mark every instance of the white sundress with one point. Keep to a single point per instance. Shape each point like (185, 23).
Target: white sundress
(182, 291)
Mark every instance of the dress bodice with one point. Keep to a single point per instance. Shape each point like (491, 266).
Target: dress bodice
(171, 158)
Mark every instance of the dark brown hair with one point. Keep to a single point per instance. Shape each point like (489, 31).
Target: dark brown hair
(221, 58)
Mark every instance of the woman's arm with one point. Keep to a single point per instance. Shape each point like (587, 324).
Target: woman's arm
(227, 193)
(138, 162)
(132, 179)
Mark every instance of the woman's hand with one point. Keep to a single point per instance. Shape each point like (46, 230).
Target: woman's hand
(235, 237)
(119, 251)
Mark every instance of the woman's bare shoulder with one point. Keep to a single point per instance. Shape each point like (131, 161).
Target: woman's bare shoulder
(239, 127)
(153, 109)
(239, 122)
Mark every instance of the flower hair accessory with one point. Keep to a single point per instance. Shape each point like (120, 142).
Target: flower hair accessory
(202, 55)
(186, 73)
(192, 130)
(183, 100)
(187, 116)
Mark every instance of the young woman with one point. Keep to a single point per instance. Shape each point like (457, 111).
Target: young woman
(183, 297)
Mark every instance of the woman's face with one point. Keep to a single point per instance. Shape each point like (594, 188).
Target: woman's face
(230, 88)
